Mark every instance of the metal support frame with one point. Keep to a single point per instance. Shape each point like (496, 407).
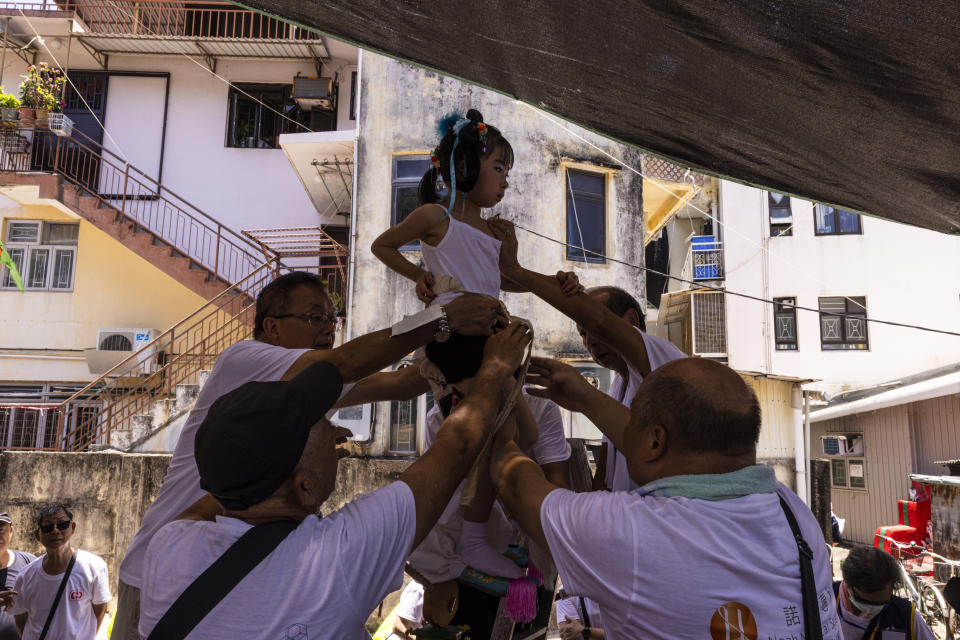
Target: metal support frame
(326, 168)
(318, 60)
(101, 58)
(208, 57)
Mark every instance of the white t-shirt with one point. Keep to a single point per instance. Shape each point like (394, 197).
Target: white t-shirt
(87, 585)
(855, 626)
(660, 352)
(436, 557)
(668, 568)
(322, 581)
(410, 607)
(246, 361)
(570, 608)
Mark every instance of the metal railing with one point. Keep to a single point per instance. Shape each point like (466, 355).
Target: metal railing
(174, 357)
(171, 18)
(706, 259)
(142, 200)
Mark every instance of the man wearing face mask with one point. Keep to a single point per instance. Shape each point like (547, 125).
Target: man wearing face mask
(866, 604)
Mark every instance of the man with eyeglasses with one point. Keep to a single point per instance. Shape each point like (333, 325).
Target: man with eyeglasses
(866, 604)
(11, 564)
(78, 600)
(294, 327)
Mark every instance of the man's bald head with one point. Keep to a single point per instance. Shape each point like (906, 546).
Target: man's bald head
(702, 405)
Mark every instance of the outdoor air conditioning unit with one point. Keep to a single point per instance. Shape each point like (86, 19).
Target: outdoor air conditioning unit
(313, 93)
(116, 345)
(842, 444)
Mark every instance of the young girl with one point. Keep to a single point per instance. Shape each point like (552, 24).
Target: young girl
(471, 164)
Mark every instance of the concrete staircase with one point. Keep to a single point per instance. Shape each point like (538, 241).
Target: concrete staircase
(136, 237)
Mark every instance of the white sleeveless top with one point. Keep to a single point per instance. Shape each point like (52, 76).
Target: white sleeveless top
(467, 254)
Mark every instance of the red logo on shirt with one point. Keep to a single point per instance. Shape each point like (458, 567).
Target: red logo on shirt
(76, 595)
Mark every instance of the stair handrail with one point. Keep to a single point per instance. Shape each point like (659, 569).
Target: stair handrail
(156, 341)
(98, 149)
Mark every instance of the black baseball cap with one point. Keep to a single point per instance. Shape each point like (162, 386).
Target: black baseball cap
(252, 437)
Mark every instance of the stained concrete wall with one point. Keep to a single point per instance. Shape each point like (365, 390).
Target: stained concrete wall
(399, 108)
(107, 492)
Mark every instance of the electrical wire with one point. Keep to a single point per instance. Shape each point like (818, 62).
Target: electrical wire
(740, 294)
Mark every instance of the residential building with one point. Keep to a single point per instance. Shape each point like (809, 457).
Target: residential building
(827, 271)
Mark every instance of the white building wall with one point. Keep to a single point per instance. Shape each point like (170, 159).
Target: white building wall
(907, 274)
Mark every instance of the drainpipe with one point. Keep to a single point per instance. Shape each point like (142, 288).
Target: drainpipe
(797, 404)
(352, 264)
(806, 430)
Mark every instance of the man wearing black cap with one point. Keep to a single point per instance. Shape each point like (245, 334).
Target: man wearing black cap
(294, 327)
(11, 564)
(267, 454)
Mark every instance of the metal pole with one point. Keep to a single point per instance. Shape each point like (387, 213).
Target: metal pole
(66, 64)
(3, 56)
(216, 260)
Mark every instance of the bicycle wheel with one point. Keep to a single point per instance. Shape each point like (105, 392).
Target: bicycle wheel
(936, 612)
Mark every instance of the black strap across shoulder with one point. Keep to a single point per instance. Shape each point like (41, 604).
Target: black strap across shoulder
(219, 579)
(584, 616)
(56, 600)
(811, 613)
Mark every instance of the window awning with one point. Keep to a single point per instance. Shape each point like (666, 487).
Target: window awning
(933, 388)
(853, 103)
(323, 161)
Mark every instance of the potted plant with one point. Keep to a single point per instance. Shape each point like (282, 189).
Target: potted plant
(40, 94)
(9, 110)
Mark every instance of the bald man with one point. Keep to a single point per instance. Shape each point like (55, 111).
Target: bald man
(702, 549)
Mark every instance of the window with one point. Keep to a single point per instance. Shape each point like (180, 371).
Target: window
(45, 254)
(403, 424)
(35, 425)
(843, 323)
(407, 171)
(253, 125)
(586, 216)
(785, 323)
(781, 218)
(831, 221)
(848, 473)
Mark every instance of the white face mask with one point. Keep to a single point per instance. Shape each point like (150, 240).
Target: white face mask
(868, 611)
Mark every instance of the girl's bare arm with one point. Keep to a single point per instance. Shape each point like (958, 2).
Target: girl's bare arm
(419, 225)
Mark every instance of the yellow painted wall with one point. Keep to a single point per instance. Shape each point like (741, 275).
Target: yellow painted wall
(113, 287)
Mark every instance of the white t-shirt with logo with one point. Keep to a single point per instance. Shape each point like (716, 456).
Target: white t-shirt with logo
(246, 361)
(436, 557)
(87, 585)
(660, 352)
(667, 568)
(322, 581)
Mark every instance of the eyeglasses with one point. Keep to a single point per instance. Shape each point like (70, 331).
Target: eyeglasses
(313, 319)
(61, 525)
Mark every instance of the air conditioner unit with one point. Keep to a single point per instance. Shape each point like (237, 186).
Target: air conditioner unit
(313, 92)
(842, 444)
(116, 345)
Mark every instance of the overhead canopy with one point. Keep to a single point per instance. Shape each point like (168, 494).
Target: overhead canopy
(854, 103)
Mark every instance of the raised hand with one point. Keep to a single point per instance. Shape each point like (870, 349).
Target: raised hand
(559, 382)
(569, 282)
(503, 352)
(474, 314)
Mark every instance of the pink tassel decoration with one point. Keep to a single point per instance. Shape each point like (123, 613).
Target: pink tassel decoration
(521, 605)
(534, 573)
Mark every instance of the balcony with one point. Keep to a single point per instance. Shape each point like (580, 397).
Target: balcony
(207, 31)
(706, 259)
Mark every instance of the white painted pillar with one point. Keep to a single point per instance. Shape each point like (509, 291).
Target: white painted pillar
(799, 441)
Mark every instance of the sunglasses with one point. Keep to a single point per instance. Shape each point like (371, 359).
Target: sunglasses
(62, 525)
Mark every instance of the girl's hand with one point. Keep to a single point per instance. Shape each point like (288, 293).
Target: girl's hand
(504, 231)
(569, 283)
(425, 287)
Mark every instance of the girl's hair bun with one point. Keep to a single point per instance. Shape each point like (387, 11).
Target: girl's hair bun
(474, 116)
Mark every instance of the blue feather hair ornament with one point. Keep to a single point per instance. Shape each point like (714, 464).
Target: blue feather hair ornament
(446, 124)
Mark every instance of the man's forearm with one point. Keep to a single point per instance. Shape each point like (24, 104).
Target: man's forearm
(522, 486)
(608, 415)
(578, 307)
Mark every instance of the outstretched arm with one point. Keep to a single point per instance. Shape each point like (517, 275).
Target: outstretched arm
(399, 385)
(470, 314)
(434, 477)
(579, 307)
(522, 487)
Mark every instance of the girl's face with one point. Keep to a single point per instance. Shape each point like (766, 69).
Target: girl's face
(492, 182)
